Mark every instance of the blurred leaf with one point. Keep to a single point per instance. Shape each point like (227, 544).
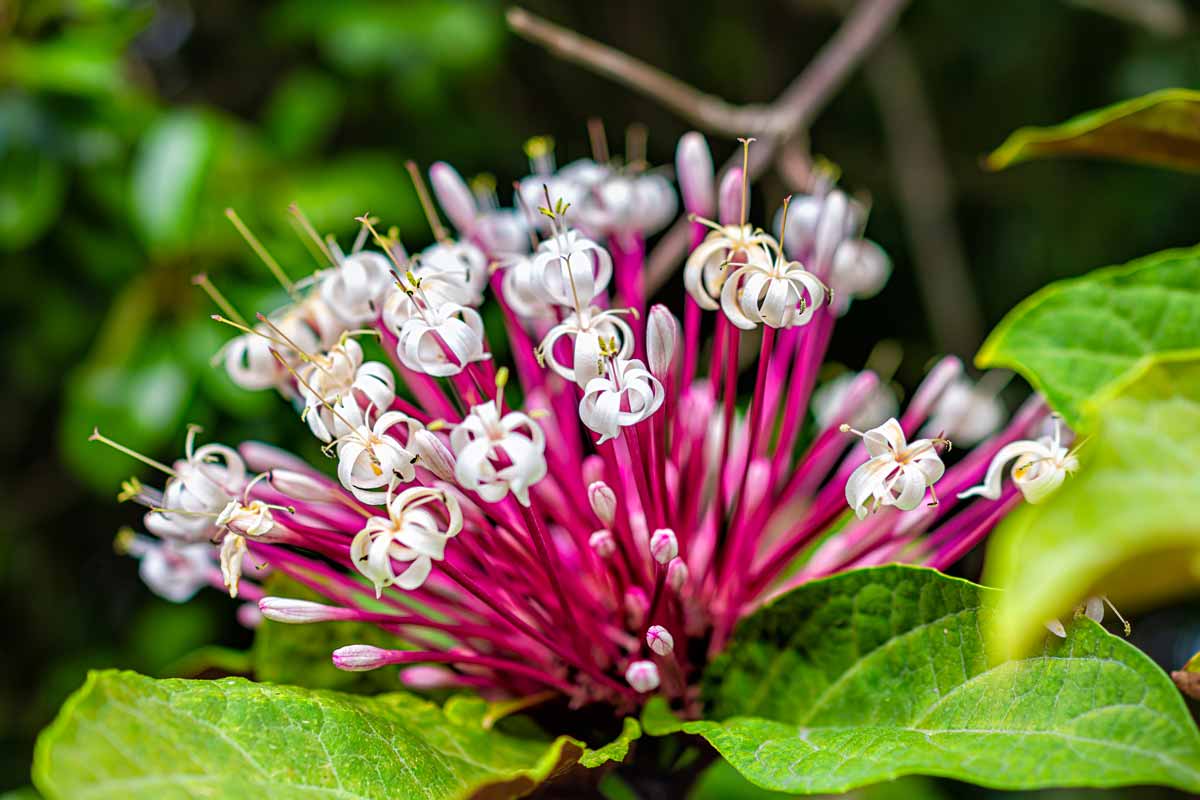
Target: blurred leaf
(721, 782)
(164, 632)
(883, 672)
(303, 112)
(168, 173)
(1125, 526)
(1077, 336)
(24, 793)
(235, 739)
(77, 63)
(334, 193)
(1161, 128)
(32, 178)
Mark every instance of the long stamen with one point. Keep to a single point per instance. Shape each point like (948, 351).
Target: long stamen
(635, 146)
(202, 280)
(158, 465)
(262, 253)
(745, 177)
(295, 210)
(431, 215)
(306, 356)
(315, 393)
(598, 139)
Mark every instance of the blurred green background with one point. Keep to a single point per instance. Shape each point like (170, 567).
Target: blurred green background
(127, 126)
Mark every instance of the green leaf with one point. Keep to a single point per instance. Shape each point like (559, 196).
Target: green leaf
(168, 175)
(1126, 525)
(126, 736)
(1161, 128)
(883, 672)
(1077, 336)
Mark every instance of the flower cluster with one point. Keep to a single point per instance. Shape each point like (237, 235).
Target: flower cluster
(602, 537)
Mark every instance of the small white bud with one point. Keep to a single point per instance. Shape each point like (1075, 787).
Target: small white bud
(694, 173)
(677, 574)
(426, 677)
(299, 486)
(285, 609)
(642, 676)
(433, 454)
(636, 606)
(663, 545)
(662, 339)
(660, 640)
(604, 501)
(729, 197)
(603, 543)
(361, 657)
(593, 469)
(453, 195)
(1056, 627)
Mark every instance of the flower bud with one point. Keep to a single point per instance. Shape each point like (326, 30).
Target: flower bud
(694, 173)
(286, 609)
(729, 197)
(433, 454)
(604, 501)
(299, 486)
(660, 640)
(248, 616)
(663, 545)
(593, 469)
(362, 657)
(662, 338)
(603, 543)
(677, 574)
(453, 195)
(642, 676)
(636, 606)
(425, 677)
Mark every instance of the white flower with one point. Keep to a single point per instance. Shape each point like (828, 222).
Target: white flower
(625, 203)
(233, 552)
(460, 266)
(522, 293)
(592, 333)
(485, 437)
(250, 358)
(173, 571)
(371, 462)
(829, 218)
(203, 484)
(571, 269)
(727, 246)
(441, 341)
(772, 290)
(897, 474)
(968, 412)
(334, 385)
(1041, 467)
(860, 270)
(355, 291)
(411, 534)
(627, 382)
(252, 520)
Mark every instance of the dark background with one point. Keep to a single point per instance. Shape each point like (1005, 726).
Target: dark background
(126, 128)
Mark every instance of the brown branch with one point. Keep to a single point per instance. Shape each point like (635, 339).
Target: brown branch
(926, 197)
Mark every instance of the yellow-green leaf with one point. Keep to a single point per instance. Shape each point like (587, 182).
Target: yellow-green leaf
(1161, 128)
(1127, 525)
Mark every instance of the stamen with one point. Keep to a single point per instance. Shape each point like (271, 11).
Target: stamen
(787, 201)
(360, 240)
(158, 465)
(295, 210)
(540, 151)
(129, 490)
(1125, 622)
(249, 330)
(202, 280)
(315, 393)
(262, 253)
(384, 245)
(635, 146)
(598, 139)
(530, 220)
(745, 176)
(306, 356)
(431, 215)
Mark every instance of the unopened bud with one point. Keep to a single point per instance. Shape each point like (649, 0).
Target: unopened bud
(604, 501)
(1056, 627)
(248, 616)
(662, 339)
(860, 269)
(660, 640)
(603, 543)
(677, 574)
(663, 545)
(453, 195)
(642, 676)
(362, 657)
(694, 173)
(593, 469)
(295, 612)
(299, 486)
(729, 197)
(636, 606)
(433, 455)
(426, 677)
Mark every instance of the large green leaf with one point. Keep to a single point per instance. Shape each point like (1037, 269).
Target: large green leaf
(1161, 128)
(1127, 524)
(1075, 337)
(883, 672)
(127, 736)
